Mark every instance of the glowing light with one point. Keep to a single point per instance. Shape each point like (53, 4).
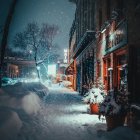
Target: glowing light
(110, 69)
(65, 50)
(34, 73)
(103, 30)
(112, 36)
(36, 80)
(30, 51)
(38, 67)
(16, 71)
(65, 56)
(52, 69)
(26, 81)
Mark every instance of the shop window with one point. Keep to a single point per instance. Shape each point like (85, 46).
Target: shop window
(121, 71)
(121, 59)
(108, 42)
(107, 73)
(122, 76)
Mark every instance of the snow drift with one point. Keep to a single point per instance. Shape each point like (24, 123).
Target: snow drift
(15, 99)
(23, 96)
(63, 116)
(65, 83)
(10, 124)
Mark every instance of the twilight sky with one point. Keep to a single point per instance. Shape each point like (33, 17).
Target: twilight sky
(58, 12)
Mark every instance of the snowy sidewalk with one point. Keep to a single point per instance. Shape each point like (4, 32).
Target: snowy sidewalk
(60, 116)
(67, 118)
(60, 89)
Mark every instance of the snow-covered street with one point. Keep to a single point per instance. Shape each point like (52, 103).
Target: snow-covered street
(61, 115)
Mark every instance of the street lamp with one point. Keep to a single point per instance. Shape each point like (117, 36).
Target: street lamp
(102, 31)
(96, 32)
(30, 52)
(38, 67)
(58, 68)
(103, 28)
(38, 71)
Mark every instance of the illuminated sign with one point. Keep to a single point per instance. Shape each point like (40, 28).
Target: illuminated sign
(65, 56)
(52, 69)
(116, 39)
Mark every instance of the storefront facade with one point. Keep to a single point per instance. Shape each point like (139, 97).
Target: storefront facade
(85, 68)
(112, 55)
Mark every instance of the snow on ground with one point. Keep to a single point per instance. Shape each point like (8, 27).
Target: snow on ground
(60, 116)
(68, 118)
(61, 88)
(20, 96)
(10, 124)
(17, 101)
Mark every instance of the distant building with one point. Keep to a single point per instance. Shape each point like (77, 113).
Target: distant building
(16, 67)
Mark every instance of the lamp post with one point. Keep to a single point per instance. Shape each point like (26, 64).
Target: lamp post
(30, 52)
(58, 67)
(38, 71)
(58, 72)
(97, 32)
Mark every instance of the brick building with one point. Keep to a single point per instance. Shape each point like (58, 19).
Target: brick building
(118, 48)
(18, 68)
(105, 43)
(81, 45)
(112, 48)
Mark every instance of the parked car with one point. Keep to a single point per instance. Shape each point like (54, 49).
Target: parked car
(15, 80)
(7, 81)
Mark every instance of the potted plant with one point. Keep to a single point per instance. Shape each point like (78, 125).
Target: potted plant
(94, 97)
(115, 107)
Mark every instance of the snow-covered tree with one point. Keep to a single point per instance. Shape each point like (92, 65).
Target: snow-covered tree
(38, 41)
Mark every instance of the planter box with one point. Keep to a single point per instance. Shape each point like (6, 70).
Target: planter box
(134, 117)
(114, 121)
(94, 108)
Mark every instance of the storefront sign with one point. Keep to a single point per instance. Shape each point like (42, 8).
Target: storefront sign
(116, 39)
(65, 56)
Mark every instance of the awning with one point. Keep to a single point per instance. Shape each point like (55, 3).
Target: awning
(70, 69)
(87, 38)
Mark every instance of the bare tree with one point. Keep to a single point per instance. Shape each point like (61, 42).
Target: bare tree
(19, 40)
(37, 39)
(5, 34)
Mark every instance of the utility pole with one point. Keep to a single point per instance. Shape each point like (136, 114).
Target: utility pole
(5, 36)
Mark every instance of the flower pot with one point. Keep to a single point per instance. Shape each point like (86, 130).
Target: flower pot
(94, 108)
(114, 121)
